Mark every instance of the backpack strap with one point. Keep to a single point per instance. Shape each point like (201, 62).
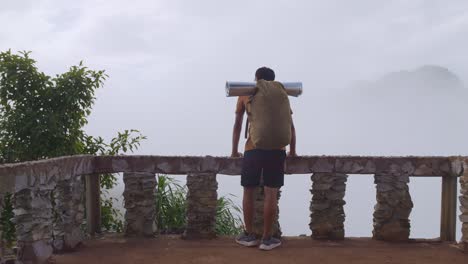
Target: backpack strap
(246, 127)
(247, 113)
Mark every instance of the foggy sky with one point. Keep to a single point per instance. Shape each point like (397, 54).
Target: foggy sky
(168, 61)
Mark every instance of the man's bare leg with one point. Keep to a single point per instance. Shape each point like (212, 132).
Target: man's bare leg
(269, 210)
(248, 208)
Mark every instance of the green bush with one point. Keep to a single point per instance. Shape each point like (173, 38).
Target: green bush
(43, 116)
(170, 205)
(111, 218)
(226, 222)
(171, 209)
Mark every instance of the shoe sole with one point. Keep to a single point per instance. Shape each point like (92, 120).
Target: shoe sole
(247, 244)
(269, 247)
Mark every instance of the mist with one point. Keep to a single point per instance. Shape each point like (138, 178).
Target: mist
(374, 74)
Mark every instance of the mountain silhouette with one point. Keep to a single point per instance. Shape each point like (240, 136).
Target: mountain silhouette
(420, 111)
(428, 78)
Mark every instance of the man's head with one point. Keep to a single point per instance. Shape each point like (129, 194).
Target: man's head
(265, 73)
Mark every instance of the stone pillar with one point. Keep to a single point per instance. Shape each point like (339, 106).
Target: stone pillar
(140, 203)
(69, 214)
(6, 248)
(464, 208)
(327, 213)
(7, 186)
(2, 249)
(258, 214)
(34, 218)
(202, 199)
(393, 208)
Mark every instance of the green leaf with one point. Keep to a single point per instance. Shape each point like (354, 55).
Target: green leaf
(43, 117)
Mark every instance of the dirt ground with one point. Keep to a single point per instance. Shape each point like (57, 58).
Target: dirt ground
(294, 250)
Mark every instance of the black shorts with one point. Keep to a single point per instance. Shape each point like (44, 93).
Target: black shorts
(266, 163)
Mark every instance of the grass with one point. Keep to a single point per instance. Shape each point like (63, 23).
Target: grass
(171, 209)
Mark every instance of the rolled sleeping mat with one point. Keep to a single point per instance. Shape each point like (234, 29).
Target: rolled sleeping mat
(248, 88)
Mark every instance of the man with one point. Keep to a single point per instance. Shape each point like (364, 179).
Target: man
(262, 162)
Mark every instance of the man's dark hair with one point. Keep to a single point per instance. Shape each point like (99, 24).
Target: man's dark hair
(265, 73)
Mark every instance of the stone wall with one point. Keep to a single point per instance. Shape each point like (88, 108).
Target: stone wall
(140, 195)
(35, 182)
(49, 211)
(34, 218)
(69, 214)
(7, 185)
(2, 249)
(327, 213)
(202, 201)
(464, 207)
(391, 214)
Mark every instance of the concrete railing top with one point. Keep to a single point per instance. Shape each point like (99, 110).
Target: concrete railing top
(71, 166)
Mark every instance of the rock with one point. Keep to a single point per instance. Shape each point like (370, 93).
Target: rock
(383, 214)
(403, 178)
(319, 206)
(9, 261)
(34, 221)
(327, 214)
(201, 206)
(332, 195)
(74, 238)
(463, 218)
(384, 178)
(393, 231)
(402, 213)
(463, 201)
(463, 209)
(393, 208)
(139, 196)
(384, 187)
(37, 252)
(69, 207)
(339, 187)
(323, 186)
(464, 232)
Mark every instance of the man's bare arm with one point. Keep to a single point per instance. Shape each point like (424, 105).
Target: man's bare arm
(292, 145)
(236, 134)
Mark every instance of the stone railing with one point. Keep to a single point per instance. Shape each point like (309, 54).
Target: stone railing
(50, 200)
